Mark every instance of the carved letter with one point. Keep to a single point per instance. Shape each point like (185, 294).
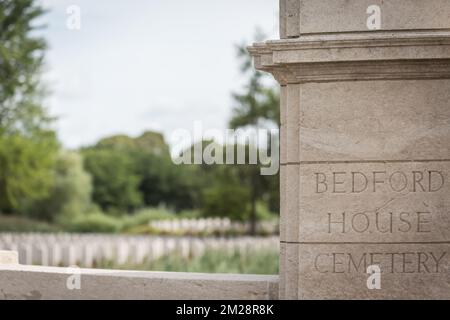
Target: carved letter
(366, 181)
(336, 222)
(392, 181)
(430, 179)
(316, 263)
(336, 183)
(375, 181)
(418, 177)
(321, 179)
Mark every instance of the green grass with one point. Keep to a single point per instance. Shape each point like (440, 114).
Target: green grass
(257, 262)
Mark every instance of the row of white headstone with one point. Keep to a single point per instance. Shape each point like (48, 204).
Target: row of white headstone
(88, 250)
(210, 225)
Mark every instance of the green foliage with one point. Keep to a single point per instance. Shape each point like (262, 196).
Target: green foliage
(96, 222)
(28, 145)
(257, 105)
(259, 101)
(159, 179)
(189, 214)
(115, 183)
(137, 223)
(230, 190)
(150, 142)
(226, 197)
(23, 224)
(213, 261)
(21, 60)
(144, 216)
(70, 194)
(130, 173)
(162, 182)
(26, 167)
(120, 175)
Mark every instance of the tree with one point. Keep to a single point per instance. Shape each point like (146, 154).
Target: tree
(115, 183)
(257, 106)
(21, 61)
(70, 195)
(28, 145)
(131, 172)
(258, 103)
(161, 181)
(164, 183)
(226, 196)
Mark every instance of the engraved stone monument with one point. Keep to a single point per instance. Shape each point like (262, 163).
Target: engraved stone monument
(365, 147)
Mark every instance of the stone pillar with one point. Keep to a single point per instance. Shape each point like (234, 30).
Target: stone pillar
(365, 148)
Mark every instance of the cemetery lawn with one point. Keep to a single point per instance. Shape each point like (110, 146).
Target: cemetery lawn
(212, 261)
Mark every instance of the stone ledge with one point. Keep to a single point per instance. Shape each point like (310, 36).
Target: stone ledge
(50, 283)
(356, 56)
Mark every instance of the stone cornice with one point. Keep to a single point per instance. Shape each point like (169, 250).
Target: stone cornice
(356, 56)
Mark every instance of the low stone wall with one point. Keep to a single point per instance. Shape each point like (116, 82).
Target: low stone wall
(52, 283)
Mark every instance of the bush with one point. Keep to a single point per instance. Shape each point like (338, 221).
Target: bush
(226, 201)
(190, 214)
(138, 222)
(115, 183)
(263, 212)
(103, 223)
(94, 222)
(22, 224)
(70, 194)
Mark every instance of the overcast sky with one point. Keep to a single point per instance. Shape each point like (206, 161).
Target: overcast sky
(147, 64)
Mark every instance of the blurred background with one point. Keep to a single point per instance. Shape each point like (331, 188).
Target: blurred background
(90, 94)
